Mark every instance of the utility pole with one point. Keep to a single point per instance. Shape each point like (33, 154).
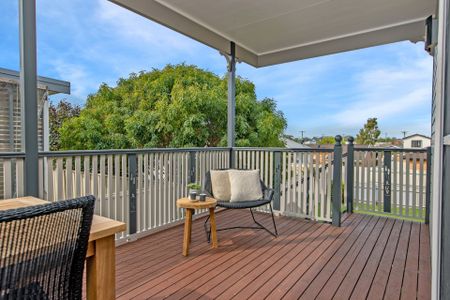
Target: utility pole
(404, 133)
(302, 132)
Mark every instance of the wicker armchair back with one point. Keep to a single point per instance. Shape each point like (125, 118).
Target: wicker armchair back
(43, 249)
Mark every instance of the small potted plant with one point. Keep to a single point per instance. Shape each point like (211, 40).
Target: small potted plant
(194, 190)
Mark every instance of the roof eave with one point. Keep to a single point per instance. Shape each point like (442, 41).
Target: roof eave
(54, 86)
(412, 30)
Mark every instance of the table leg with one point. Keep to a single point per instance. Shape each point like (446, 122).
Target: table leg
(212, 220)
(101, 270)
(187, 231)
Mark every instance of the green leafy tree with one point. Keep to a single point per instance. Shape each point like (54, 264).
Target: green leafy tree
(369, 134)
(327, 140)
(178, 106)
(57, 115)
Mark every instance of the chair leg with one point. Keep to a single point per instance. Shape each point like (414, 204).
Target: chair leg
(262, 226)
(273, 219)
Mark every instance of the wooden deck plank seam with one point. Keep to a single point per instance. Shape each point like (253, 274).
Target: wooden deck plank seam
(261, 238)
(355, 250)
(377, 262)
(295, 258)
(356, 221)
(227, 268)
(294, 274)
(238, 254)
(192, 260)
(388, 224)
(313, 281)
(390, 273)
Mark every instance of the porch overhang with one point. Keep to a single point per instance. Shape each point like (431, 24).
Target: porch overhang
(272, 32)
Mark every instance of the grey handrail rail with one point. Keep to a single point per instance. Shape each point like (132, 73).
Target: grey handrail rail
(12, 155)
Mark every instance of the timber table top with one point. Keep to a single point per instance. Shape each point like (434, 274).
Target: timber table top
(101, 226)
(188, 203)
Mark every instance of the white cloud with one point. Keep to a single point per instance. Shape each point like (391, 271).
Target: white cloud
(82, 83)
(387, 92)
(140, 31)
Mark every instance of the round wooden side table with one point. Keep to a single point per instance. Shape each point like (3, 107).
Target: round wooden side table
(190, 206)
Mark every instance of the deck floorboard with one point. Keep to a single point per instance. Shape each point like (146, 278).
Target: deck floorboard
(368, 257)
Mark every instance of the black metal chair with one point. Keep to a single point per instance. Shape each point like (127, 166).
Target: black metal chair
(43, 249)
(266, 200)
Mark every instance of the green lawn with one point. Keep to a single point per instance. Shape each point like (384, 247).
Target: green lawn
(378, 211)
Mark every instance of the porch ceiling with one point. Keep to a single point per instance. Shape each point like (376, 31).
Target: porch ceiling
(270, 32)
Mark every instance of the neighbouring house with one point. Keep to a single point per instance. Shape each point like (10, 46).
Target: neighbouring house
(416, 141)
(293, 144)
(11, 119)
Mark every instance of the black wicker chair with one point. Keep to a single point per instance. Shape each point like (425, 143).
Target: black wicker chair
(266, 200)
(43, 249)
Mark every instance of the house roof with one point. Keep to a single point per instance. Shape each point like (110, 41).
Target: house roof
(268, 32)
(54, 86)
(416, 134)
(293, 144)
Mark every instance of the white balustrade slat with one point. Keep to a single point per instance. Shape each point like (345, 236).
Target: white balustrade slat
(60, 179)
(414, 186)
(69, 178)
(380, 185)
(139, 195)
(41, 178)
(78, 179)
(87, 176)
(50, 179)
(421, 186)
(145, 198)
(95, 189)
(117, 186)
(110, 189)
(7, 179)
(394, 186)
(407, 180)
(102, 186)
(124, 203)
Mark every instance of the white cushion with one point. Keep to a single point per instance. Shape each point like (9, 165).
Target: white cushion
(220, 184)
(245, 185)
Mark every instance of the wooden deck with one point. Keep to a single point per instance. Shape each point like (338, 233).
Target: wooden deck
(368, 257)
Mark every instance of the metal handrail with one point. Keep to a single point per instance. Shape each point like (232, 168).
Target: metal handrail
(12, 155)
(424, 150)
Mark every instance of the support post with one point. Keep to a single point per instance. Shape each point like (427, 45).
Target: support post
(132, 176)
(231, 96)
(232, 163)
(192, 163)
(337, 181)
(277, 180)
(387, 181)
(428, 187)
(350, 173)
(28, 95)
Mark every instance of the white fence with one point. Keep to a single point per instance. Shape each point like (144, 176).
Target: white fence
(11, 175)
(302, 180)
(305, 178)
(406, 187)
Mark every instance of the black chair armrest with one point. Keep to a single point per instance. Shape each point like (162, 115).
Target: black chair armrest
(268, 194)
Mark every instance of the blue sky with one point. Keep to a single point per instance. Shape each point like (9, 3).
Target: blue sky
(90, 42)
